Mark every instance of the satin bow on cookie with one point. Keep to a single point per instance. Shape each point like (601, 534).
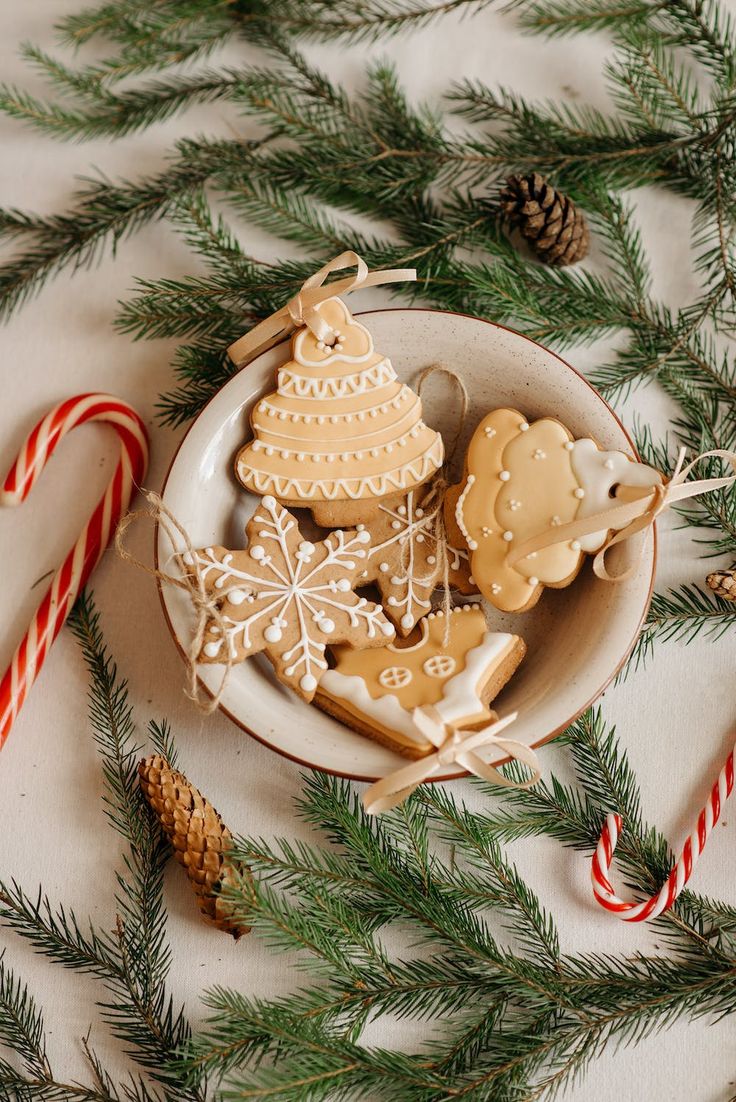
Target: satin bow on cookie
(633, 516)
(300, 310)
(454, 747)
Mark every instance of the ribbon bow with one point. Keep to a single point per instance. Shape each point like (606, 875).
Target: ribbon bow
(631, 517)
(454, 747)
(301, 309)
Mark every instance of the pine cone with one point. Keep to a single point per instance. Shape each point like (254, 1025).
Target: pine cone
(556, 230)
(723, 583)
(198, 837)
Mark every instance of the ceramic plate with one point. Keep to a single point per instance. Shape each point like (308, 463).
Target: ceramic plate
(577, 637)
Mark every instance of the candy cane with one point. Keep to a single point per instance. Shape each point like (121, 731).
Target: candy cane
(87, 551)
(678, 878)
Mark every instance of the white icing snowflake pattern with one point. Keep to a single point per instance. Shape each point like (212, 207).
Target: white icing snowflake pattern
(288, 597)
(404, 561)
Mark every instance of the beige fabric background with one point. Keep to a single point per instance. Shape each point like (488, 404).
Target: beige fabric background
(676, 719)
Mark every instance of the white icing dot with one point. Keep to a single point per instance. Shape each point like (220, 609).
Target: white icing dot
(308, 683)
(269, 502)
(386, 628)
(495, 588)
(473, 544)
(580, 492)
(568, 445)
(212, 649)
(373, 412)
(334, 419)
(420, 537)
(383, 567)
(407, 620)
(273, 634)
(575, 545)
(307, 548)
(431, 560)
(514, 505)
(486, 530)
(343, 585)
(508, 536)
(363, 536)
(396, 524)
(490, 433)
(609, 464)
(504, 476)
(236, 596)
(289, 671)
(374, 452)
(326, 625)
(269, 450)
(329, 459)
(420, 512)
(316, 458)
(345, 456)
(258, 552)
(300, 456)
(271, 412)
(555, 521)
(282, 416)
(533, 581)
(523, 426)
(539, 454)
(320, 420)
(402, 510)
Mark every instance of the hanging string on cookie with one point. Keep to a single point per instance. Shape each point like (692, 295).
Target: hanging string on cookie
(434, 501)
(190, 580)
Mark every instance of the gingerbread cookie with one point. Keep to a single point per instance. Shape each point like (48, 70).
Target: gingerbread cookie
(341, 432)
(376, 692)
(405, 561)
(522, 479)
(287, 597)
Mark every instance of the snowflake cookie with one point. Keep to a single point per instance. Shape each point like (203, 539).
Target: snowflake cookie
(522, 480)
(405, 561)
(287, 597)
(459, 671)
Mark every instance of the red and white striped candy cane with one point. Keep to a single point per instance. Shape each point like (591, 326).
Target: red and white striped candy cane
(678, 878)
(87, 551)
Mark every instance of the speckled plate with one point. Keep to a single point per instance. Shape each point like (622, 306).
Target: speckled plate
(577, 637)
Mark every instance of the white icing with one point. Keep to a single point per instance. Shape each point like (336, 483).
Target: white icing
(289, 488)
(460, 518)
(598, 472)
(335, 386)
(395, 677)
(439, 665)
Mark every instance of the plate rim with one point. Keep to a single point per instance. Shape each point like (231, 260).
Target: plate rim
(456, 774)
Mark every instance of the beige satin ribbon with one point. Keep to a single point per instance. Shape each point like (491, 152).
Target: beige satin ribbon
(631, 517)
(454, 747)
(301, 309)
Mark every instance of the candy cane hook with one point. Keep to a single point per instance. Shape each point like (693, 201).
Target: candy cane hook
(87, 551)
(678, 878)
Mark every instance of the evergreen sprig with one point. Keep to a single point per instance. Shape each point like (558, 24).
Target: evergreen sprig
(508, 1014)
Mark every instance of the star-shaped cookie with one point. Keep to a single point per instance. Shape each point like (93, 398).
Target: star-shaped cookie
(287, 597)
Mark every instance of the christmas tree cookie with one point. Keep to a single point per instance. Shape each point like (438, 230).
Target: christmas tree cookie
(340, 433)
(459, 671)
(524, 479)
(287, 597)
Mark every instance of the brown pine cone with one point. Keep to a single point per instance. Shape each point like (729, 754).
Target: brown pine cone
(198, 837)
(723, 583)
(554, 227)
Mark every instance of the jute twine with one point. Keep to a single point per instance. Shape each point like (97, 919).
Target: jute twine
(191, 580)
